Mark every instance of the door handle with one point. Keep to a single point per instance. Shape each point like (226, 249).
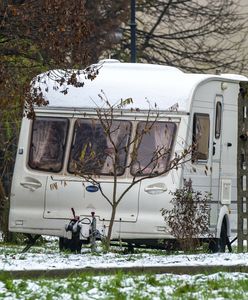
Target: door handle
(32, 186)
(214, 143)
(156, 188)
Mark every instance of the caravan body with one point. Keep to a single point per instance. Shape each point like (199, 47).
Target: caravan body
(44, 187)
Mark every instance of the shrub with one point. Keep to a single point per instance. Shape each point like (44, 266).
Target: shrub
(188, 220)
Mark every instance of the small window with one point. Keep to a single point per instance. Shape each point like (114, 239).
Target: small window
(201, 129)
(152, 150)
(48, 144)
(94, 151)
(218, 120)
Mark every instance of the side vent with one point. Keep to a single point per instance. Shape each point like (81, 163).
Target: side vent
(226, 191)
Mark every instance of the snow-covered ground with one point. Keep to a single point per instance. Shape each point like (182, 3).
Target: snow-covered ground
(49, 257)
(120, 285)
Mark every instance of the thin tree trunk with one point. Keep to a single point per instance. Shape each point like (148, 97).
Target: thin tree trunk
(111, 224)
(3, 211)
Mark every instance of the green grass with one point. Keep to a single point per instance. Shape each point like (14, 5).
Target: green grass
(125, 286)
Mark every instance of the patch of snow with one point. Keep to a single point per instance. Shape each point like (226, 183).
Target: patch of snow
(56, 260)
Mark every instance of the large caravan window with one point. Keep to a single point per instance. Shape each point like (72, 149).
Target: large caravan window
(152, 147)
(99, 149)
(200, 136)
(48, 144)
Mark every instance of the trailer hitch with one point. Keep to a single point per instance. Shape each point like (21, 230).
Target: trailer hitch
(75, 226)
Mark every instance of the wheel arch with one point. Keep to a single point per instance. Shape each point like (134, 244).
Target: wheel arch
(223, 217)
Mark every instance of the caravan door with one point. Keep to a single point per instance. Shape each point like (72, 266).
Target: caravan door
(216, 158)
(216, 149)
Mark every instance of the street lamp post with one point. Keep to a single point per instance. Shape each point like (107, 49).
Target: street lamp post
(133, 31)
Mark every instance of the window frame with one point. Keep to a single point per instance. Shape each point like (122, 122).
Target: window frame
(97, 120)
(218, 119)
(64, 146)
(195, 158)
(171, 146)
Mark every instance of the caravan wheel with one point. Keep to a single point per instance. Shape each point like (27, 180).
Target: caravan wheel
(219, 245)
(223, 237)
(213, 245)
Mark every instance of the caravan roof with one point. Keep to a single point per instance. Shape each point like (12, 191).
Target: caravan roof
(144, 83)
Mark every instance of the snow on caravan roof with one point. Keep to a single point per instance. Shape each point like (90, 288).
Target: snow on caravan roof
(163, 85)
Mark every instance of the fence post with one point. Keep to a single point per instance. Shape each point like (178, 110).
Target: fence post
(242, 168)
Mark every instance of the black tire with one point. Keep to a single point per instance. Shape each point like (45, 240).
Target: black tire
(73, 245)
(220, 244)
(213, 245)
(223, 240)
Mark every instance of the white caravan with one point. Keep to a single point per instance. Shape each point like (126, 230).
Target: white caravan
(45, 187)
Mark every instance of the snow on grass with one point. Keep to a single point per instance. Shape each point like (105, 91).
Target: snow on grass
(49, 257)
(126, 286)
(121, 285)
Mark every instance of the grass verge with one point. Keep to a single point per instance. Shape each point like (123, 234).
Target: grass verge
(125, 286)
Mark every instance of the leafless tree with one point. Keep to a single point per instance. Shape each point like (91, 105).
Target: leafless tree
(105, 20)
(194, 35)
(106, 154)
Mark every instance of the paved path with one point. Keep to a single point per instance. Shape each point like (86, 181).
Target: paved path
(62, 273)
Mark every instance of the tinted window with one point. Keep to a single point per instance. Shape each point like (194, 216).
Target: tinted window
(48, 144)
(200, 136)
(153, 146)
(94, 151)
